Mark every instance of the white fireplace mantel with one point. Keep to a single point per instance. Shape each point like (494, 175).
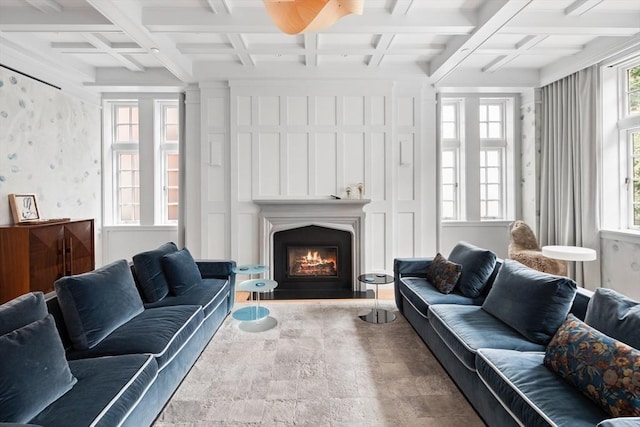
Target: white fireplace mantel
(288, 213)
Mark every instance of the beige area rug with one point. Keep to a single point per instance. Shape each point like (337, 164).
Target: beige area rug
(320, 366)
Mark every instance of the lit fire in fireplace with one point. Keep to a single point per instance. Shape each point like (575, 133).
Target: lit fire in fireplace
(313, 261)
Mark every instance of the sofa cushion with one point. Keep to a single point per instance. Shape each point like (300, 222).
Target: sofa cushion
(209, 296)
(531, 302)
(22, 311)
(33, 370)
(161, 331)
(181, 271)
(443, 274)
(466, 328)
(531, 392)
(149, 272)
(108, 389)
(421, 294)
(615, 315)
(94, 304)
(620, 422)
(604, 369)
(477, 266)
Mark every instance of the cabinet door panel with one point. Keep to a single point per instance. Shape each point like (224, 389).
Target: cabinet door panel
(46, 251)
(78, 238)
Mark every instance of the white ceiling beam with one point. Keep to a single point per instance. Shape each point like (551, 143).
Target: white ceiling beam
(580, 7)
(468, 80)
(602, 24)
(67, 21)
(103, 45)
(120, 77)
(256, 20)
(401, 7)
(498, 63)
(219, 6)
(491, 19)
(45, 6)
(311, 49)
(40, 50)
(224, 49)
(521, 47)
(86, 47)
(128, 17)
(381, 48)
(240, 49)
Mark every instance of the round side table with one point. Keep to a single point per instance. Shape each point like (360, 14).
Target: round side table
(254, 318)
(377, 315)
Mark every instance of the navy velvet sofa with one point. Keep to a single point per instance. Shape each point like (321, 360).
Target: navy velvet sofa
(127, 334)
(483, 338)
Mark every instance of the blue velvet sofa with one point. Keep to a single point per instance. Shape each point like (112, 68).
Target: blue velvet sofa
(492, 336)
(112, 346)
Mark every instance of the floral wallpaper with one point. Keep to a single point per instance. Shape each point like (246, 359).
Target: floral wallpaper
(50, 145)
(621, 266)
(530, 160)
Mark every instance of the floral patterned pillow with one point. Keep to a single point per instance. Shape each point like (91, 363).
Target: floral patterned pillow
(605, 370)
(443, 274)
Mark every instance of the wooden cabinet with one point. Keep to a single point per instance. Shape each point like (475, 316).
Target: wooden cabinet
(34, 256)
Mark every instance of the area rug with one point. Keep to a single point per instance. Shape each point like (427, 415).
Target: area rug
(321, 365)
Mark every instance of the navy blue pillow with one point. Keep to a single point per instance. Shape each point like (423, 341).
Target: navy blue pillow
(149, 271)
(181, 271)
(477, 266)
(615, 315)
(531, 302)
(21, 311)
(34, 372)
(94, 304)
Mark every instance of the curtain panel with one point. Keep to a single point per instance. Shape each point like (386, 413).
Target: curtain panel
(569, 190)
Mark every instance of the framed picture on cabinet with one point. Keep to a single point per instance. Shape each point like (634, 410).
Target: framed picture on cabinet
(24, 208)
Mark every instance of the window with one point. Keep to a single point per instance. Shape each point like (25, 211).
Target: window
(126, 160)
(633, 90)
(450, 167)
(633, 181)
(142, 161)
(477, 149)
(170, 161)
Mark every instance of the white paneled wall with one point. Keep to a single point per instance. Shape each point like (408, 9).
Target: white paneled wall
(303, 139)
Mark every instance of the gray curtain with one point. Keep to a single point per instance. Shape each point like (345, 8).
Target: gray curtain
(569, 199)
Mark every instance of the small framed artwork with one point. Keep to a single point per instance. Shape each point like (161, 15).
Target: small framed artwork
(24, 208)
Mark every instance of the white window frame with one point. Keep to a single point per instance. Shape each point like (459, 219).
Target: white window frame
(165, 147)
(470, 146)
(500, 145)
(151, 149)
(455, 145)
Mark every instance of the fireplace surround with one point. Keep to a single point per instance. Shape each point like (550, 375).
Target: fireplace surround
(347, 216)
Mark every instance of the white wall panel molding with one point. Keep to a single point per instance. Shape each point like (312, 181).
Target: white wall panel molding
(214, 160)
(302, 139)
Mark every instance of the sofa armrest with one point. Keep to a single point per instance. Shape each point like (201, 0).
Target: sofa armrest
(580, 303)
(620, 422)
(220, 269)
(415, 267)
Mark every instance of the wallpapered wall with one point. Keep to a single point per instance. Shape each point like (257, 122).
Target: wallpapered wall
(530, 152)
(50, 146)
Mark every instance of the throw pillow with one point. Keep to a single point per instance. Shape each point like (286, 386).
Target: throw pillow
(21, 311)
(530, 301)
(616, 315)
(477, 266)
(94, 304)
(148, 267)
(181, 271)
(443, 274)
(606, 370)
(33, 372)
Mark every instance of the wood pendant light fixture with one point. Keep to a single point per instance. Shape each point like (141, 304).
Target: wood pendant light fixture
(298, 16)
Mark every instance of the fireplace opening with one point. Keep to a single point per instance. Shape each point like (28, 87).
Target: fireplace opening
(312, 261)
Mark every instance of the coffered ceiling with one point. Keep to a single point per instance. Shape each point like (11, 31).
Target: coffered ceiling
(110, 45)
